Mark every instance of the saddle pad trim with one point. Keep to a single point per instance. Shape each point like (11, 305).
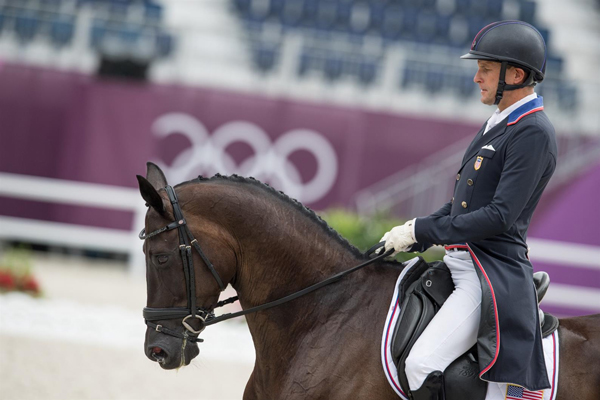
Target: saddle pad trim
(393, 313)
(555, 355)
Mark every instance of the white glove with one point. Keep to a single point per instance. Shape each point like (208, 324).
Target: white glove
(400, 238)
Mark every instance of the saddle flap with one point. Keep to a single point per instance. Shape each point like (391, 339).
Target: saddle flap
(410, 313)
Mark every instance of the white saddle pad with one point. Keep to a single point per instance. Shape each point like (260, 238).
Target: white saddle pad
(496, 391)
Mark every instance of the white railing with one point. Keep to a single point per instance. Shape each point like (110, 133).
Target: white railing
(59, 191)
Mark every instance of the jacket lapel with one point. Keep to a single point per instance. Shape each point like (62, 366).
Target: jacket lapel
(481, 140)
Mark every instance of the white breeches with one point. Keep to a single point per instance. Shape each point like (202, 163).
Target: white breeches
(454, 328)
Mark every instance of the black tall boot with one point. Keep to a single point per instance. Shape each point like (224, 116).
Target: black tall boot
(431, 389)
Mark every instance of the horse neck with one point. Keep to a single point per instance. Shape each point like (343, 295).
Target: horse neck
(281, 249)
(286, 250)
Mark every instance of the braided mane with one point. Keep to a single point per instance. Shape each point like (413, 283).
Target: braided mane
(307, 212)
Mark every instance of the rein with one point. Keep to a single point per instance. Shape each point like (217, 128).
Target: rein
(213, 320)
(207, 317)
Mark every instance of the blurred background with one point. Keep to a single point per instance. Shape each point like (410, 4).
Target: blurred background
(361, 109)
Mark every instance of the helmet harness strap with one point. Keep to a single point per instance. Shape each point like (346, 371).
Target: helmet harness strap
(502, 86)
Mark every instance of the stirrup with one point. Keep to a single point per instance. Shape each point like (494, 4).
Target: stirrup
(431, 389)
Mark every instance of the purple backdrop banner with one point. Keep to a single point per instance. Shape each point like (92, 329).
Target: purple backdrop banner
(79, 128)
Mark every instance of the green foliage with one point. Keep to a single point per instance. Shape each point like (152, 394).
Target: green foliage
(365, 232)
(16, 272)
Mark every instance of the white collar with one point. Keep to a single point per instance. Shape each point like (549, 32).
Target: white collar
(513, 107)
(501, 115)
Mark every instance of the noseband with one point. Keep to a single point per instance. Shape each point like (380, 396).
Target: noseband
(207, 317)
(186, 241)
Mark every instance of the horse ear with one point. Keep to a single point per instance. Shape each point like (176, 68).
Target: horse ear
(155, 176)
(150, 194)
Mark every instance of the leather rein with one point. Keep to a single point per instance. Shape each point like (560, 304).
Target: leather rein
(207, 317)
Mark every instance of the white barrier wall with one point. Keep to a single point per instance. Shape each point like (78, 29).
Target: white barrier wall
(81, 194)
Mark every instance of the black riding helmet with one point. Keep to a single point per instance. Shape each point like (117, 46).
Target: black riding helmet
(515, 43)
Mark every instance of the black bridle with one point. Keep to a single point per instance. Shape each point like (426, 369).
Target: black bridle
(207, 317)
(186, 241)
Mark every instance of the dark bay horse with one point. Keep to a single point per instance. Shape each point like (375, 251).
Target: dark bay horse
(325, 345)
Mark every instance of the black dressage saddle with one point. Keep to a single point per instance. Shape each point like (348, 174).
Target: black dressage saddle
(425, 288)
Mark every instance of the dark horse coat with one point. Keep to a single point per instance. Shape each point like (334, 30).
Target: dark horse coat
(498, 186)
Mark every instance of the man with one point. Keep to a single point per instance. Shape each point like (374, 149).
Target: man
(502, 176)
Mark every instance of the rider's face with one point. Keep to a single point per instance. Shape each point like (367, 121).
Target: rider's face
(486, 77)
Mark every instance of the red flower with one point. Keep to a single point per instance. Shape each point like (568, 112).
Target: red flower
(29, 284)
(7, 281)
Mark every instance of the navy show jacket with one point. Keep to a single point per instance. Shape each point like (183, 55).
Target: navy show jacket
(498, 186)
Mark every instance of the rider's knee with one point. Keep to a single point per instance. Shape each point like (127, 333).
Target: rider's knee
(416, 368)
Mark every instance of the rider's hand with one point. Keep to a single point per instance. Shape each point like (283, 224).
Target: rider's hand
(400, 238)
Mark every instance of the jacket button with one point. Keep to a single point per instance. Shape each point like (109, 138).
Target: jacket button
(452, 201)
(464, 204)
(470, 182)
(457, 176)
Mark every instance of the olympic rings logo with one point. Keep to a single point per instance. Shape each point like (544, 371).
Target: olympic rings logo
(270, 162)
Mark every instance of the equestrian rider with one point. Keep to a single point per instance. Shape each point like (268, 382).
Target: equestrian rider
(498, 185)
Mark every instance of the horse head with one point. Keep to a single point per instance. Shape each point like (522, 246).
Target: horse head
(184, 279)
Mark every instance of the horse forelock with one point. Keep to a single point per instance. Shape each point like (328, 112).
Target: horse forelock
(277, 194)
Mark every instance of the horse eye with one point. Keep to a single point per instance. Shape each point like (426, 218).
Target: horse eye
(162, 259)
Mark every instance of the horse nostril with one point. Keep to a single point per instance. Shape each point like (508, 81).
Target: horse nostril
(159, 354)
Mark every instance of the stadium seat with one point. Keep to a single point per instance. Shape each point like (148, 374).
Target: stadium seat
(304, 65)
(27, 25)
(494, 9)
(61, 31)
(326, 16)
(344, 13)
(264, 57)
(462, 7)
(554, 65)
(275, 8)
(164, 44)
(309, 13)
(527, 11)
(98, 33)
(2, 21)
(410, 20)
(367, 71)
(291, 13)
(50, 5)
(426, 28)
(442, 28)
(376, 15)
(391, 24)
(567, 96)
(333, 67)
(242, 6)
(434, 81)
(153, 13)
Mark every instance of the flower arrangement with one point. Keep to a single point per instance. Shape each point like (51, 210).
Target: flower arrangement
(15, 272)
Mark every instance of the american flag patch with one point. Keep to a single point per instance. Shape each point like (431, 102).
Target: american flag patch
(517, 392)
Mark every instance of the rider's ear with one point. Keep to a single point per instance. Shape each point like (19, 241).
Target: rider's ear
(150, 194)
(155, 176)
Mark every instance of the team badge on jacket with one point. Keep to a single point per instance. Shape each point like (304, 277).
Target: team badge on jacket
(478, 162)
